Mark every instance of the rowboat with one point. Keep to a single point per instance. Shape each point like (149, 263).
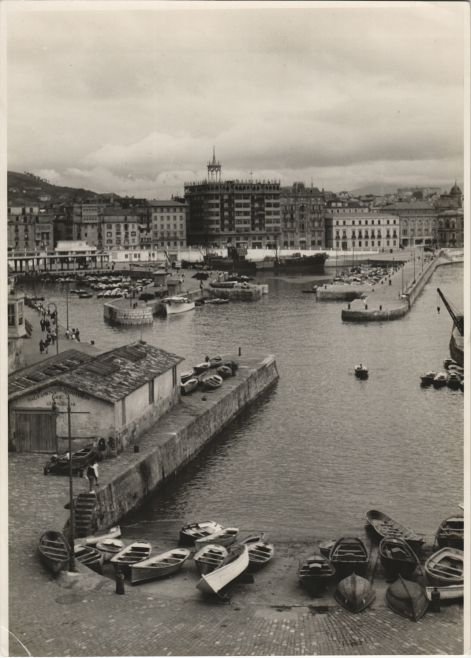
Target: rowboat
(93, 540)
(210, 382)
(189, 386)
(135, 552)
(260, 551)
(224, 371)
(109, 547)
(177, 304)
(193, 531)
(236, 563)
(185, 376)
(209, 558)
(60, 465)
(427, 378)
(349, 555)
(215, 361)
(159, 566)
(445, 567)
(315, 573)
(354, 593)
(451, 532)
(201, 367)
(54, 551)
(361, 371)
(447, 593)
(383, 526)
(407, 599)
(397, 557)
(89, 556)
(224, 537)
(440, 379)
(454, 381)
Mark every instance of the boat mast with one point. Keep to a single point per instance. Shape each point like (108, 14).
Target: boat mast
(458, 320)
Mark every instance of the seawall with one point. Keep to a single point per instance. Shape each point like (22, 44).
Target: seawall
(121, 311)
(177, 438)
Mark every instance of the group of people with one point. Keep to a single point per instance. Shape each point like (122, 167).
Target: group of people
(51, 331)
(72, 334)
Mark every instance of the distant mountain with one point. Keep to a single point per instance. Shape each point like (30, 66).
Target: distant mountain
(27, 188)
(388, 188)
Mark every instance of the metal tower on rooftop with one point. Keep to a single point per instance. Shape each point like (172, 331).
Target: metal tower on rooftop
(214, 168)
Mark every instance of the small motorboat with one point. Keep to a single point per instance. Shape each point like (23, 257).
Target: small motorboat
(201, 367)
(90, 556)
(224, 537)
(236, 563)
(361, 371)
(383, 526)
(109, 548)
(325, 547)
(185, 376)
(210, 382)
(454, 381)
(177, 304)
(354, 593)
(260, 551)
(54, 551)
(85, 295)
(209, 558)
(349, 555)
(193, 531)
(217, 301)
(225, 372)
(440, 379)
(407, 599)
(428, 378)
(445, 567)
(92, 540)
(189, 386)
(451, 532)
(397, 557)
(315, 573)
(447, 593)
(135, 552)
(159, 566)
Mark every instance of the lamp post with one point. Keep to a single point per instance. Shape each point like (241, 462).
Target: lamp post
(57, 323)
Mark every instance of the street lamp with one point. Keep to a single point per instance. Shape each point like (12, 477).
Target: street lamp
(57, 324)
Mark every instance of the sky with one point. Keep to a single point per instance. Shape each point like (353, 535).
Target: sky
(131, 98)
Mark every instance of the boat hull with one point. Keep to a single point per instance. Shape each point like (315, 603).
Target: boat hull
(193, 531)
(349, 555)
(209, 558)
(445, 567)
(447, 593)
(215, 581)
(316, 573)
(381, 526)
(179, 308)
(54, 551)
(159, 566)
(397, 558)
(407, 599)
(355, 593)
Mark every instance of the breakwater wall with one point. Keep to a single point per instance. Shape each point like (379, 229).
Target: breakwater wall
(178, 437)
(250, 293)
(341, 293)
(122, 312)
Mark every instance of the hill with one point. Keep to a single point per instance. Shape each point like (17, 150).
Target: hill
(27, 188)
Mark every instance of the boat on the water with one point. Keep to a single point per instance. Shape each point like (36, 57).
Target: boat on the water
(447, 593)
(449, 362)
(223, 537)
(397, 557)
(193, 531)
(445, 567)
(383, 526)
(315, 573)
(454, 381)
(210, 557)
(236, 563)
(210, 382)
(177, 304)
(90, 556)
(451, 532)
(354, 593)
(189, 386)
(260, 551)
(92, 540)
(54, 551)
(407, 598)
(361, 371)
(348, 555)
(427, 378)
(440, 379)
(110, 547)
(135, 552)
(159, 566)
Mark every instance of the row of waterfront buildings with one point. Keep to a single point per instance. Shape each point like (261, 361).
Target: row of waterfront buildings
(255, 214)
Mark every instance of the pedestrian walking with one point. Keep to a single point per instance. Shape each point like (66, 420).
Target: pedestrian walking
(77, 335)
(41, 322)
(53, 337)
(92, 475)
(67, 334)
(41, 346)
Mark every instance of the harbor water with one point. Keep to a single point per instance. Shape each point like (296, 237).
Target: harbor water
(322, 447)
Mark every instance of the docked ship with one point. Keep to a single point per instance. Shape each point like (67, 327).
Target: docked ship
(236, 261)
(297, 263)
(457, 333)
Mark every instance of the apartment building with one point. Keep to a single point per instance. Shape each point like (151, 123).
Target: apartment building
(361, 229)
(120, 228)
(302, 212)
(417, 222)
(168, 223)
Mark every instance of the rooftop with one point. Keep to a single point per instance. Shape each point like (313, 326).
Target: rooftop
(156, 203)
(410, 205)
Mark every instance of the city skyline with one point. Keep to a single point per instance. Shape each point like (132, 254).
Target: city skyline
(132, 100)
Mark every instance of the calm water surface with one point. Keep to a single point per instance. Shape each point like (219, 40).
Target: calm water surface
(321, 448)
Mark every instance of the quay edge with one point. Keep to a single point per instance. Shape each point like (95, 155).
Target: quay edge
(178, 437)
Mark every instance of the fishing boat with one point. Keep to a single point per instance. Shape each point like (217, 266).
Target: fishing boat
(445, 567)
(449, 362)
(315, 573)
(451, 532)
(177, 304)
(201, 367)
(325, 547)
(383, 526)
(427, 379)
(90, 556)
(260, 551)
(92, 540)
(109, 548)
(210, 382)
(447, 593)
(407, 599)
(209, 558)
(193, 531)
(454, 381)
(223, 537)
(361, 371)
(348, 555)
(54, 551)
(135, 552)
(236, 563)
(440, 379)
(354, 593)
(397, 557)
(224, 371)
(159, 566)
(189, 386)
(60, 464)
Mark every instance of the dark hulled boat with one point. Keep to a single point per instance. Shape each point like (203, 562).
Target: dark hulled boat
(397, 557)
(89, 556)
(54, 551)
(348, 555)
(313, 264)
(354, 593)
(315, 573)
(407, 599)
(451, 532)
(383, 526)
(260, 551)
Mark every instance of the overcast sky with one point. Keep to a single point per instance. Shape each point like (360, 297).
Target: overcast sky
(133, 101)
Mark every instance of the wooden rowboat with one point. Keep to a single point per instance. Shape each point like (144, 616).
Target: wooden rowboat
(110, 547)
(445, 567)
(315, 573)
(224, 537)
(447, 593)
(260, 552)
(193, 531)
(407, 599)
(383, 526)
(326, 546)
(237, 563)
(159, 566)
(354, 593)
(135, 552)
(210, 382)
(201, 367)
(209, 558)
(224, 371)
(89, 556)
(54, 551)
(451, 532)
(361, 371)
(397, 557)
(189, 385)
(349, 555)
(93, 540)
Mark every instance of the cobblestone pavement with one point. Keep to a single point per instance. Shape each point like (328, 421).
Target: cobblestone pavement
(271, 616)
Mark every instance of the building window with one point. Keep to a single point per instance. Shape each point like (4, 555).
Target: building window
(123, 411)
(174, 376)
(11, 315)
(151, 391)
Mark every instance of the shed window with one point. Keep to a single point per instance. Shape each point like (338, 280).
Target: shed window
(174, 376)
(151, 391)
(123, 411)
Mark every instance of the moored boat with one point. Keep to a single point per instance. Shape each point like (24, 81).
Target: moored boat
(60, 464)
(185, 376)
(361, 371)
(224, 371)
(397, 557)
(383, 525)
(177, 304)
(440, 379)
(201, 367)
(189, 386)
(407, 599)
(315, 573)
(54, 551)
(223, 537)
(454, 381)
(451, 532)
(428, 378)
(348, 555)
(193, 531)
(110, 547)
(445, 567)
(210, 557)
(236, 563)
(135, 552)
(90, 556)
(260, 551)
(354, 593)
(210, 382)
(159, 566)
(92, 540)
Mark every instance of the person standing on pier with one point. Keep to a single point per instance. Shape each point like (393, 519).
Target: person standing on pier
(92, 475)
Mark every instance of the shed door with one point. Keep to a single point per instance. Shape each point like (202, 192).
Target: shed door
(35, 431)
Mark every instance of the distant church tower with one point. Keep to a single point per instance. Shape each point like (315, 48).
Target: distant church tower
(214, 169)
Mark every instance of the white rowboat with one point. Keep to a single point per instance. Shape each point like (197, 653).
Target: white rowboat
(237, 563)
